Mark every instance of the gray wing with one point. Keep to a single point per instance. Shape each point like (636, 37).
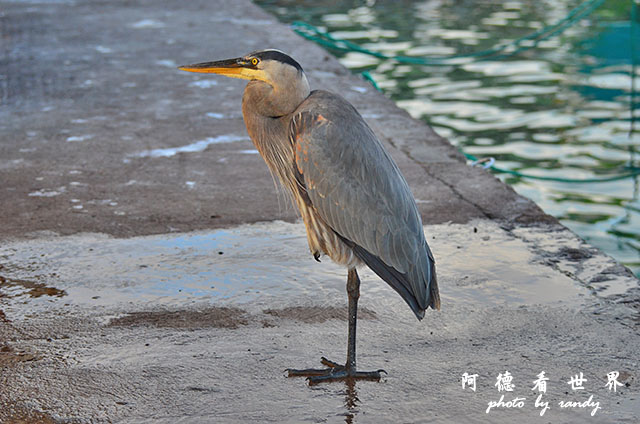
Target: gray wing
(357, 188)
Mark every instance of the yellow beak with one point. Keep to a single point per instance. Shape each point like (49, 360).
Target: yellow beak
(234, 68)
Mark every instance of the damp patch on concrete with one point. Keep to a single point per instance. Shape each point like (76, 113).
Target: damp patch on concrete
(10, 356)
(187, 319)
(17, 288)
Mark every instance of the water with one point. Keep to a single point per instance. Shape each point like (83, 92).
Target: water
(561, 110)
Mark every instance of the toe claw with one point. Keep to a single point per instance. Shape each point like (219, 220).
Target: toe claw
(329, 363)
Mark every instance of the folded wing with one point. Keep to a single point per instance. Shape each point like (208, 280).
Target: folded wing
(358, 190)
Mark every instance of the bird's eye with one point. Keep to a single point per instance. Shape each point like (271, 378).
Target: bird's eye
(254, 61)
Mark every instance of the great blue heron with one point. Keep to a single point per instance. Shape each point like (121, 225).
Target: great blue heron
(355, 203)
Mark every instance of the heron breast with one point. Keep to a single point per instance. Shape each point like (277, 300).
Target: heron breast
(323, 239)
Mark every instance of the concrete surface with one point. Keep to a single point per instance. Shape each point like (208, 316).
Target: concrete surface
(113, 310)
(90, 90)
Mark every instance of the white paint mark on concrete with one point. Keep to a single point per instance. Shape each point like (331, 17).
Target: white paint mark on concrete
(207, 83)
(215, 115)
(167, 63)
(78, 138)
(359, 89)
(147, 23)
(103, 49)
(190, 184)
(48, 193)
(198, 146)
(249, 152)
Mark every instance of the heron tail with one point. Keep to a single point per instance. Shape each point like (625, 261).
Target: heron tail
(400, 282)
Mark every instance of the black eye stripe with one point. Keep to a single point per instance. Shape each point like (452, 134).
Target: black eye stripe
(278, 56)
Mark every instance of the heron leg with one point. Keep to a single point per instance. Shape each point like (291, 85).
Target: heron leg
(353, 291)
(335, 371)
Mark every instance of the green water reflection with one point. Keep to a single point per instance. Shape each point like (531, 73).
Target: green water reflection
(559, 110)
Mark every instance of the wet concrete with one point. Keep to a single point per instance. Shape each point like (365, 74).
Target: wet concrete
(212, 293)
(262, 264)
(199, 327)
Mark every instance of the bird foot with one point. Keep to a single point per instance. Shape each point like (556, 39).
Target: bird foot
(333, 372)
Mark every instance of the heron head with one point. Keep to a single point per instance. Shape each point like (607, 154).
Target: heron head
(270, 66)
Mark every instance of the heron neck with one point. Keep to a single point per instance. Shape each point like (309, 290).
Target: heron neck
(274, 100)
(270, 136)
